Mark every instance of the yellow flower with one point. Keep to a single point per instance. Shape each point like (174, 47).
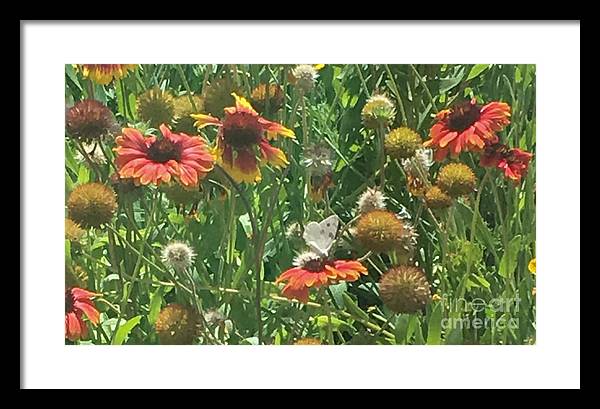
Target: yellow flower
(531, 266)
(103, 74)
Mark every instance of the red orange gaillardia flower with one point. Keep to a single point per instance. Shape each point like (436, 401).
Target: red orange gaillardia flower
(77, 304)
(148, 159)
(514, 162)
(243, 140)
(103, 74)
(312, 270)
(467, 127)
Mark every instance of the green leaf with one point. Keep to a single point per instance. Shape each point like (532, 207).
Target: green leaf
(83, 176)
(419, 340)
(434, 331)
(482, 281)
(338, 291)
(401, 328)
(354, 309)
(336, 323)
(68, 251)
(447, 84)
(477, 70)
(176, 218)
(155, 304)
(125, 329)
(482, 232)
(508, 263)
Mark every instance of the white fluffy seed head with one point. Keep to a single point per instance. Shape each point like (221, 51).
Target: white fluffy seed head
(305, 75)
(178, 256)
(371, 199)
(423, 158)
(316, 158)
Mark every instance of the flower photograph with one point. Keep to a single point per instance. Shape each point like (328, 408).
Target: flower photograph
(304, 204)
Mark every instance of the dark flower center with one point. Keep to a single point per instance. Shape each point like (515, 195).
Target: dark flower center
(163, 150)
(315, 265)
(242, 130)
(69, 301)
(463, 116)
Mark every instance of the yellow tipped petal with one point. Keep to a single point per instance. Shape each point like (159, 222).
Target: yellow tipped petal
(203, 120)
(318, 66)
(242, 103)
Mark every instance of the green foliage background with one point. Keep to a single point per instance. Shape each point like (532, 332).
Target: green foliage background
(495, 254)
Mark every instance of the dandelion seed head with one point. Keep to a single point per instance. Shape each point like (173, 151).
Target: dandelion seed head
(178, 255)
(316, 157)
(371, 199)
(305, 76)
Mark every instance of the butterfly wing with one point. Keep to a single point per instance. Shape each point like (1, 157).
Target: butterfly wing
(320, 236)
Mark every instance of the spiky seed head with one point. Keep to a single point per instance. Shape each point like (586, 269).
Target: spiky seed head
(402, 143)
(456, 179)
(73, 231)
(89, 121)
(156, 107)
(380, 231)
(92, 204)
(177, 325)
(436, 198)
(378, 111)
(217, 96)
(405, 289)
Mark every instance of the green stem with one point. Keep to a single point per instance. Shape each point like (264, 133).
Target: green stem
(330, 338)
(194, 296)
(382, 156)
(397, 93)
(187, 87)
(476, 216)
(125, 100)
(89, 160)
(425, 87)
(362, 80)
(138, 265)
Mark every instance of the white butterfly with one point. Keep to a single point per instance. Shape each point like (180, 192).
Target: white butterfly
(321, 236)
